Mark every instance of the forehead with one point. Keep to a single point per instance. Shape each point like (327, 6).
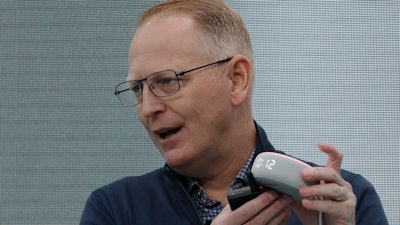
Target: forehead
(163, 42)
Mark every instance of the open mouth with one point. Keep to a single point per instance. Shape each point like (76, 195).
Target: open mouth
(169, 133)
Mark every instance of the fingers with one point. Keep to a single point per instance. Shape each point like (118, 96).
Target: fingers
(338, 199)
(333, 196)
(278, 212)
(328, 175)
(344, 209)
(329, 191)
(332, 187)
(252, 208)
(267, 208)
(335, 156)
(281, 218)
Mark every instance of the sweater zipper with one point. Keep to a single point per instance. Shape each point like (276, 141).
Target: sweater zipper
(186, 193)
(193, 205)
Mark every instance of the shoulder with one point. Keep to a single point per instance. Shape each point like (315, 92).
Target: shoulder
(356, 180)
(135, 183)
(369, 209)
(362, 188)
(132, 200)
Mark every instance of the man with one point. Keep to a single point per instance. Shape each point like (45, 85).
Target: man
(191, 81)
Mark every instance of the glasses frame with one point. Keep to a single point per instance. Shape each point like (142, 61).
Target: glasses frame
(180, 74)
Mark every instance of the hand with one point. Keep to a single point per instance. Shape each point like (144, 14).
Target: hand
(338, 203)
(267, 208)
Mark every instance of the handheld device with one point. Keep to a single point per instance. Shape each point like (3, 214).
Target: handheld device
(272, 171)
(280, 172)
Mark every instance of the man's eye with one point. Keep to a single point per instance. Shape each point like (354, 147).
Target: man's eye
(167, 81)
(164, 81)
(136, 89)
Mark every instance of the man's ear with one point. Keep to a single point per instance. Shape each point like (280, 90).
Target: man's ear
(241, 76)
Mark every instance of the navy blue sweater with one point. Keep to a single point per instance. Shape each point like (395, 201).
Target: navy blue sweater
(159, 198)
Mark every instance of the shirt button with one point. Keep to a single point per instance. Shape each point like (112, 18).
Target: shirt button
(198, 194)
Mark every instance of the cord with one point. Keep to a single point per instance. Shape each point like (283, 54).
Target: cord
(320, 219)
(320, 216)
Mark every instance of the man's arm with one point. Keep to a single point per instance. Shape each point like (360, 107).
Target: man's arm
(95, 211)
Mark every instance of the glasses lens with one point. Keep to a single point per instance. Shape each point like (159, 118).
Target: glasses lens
(163, 83)
(130, 93)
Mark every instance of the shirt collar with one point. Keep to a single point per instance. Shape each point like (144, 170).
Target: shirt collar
(197, 192)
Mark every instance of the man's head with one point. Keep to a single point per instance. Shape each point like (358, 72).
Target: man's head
(221, 29)
(202, 122)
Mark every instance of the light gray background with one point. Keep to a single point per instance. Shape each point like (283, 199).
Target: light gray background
(326, 71)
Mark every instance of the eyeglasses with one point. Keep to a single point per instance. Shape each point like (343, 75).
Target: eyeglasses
(162, 83)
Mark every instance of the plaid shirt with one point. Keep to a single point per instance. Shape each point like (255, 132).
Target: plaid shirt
(209, 209)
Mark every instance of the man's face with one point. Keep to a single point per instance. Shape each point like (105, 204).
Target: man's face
(188, 127)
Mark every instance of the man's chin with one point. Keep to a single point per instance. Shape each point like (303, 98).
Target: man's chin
(177, 164)
(181, 164)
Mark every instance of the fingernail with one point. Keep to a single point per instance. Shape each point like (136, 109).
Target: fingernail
(285, 199)
(272, 195)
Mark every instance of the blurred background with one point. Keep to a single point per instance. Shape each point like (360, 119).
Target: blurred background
(326, 71)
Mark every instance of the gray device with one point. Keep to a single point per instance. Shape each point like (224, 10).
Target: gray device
(280, 172)
(274, 171)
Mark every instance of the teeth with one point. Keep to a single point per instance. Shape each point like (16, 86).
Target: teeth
(168, 133)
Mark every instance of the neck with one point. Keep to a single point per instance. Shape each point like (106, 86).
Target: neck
(217, 187)
(217, 184)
